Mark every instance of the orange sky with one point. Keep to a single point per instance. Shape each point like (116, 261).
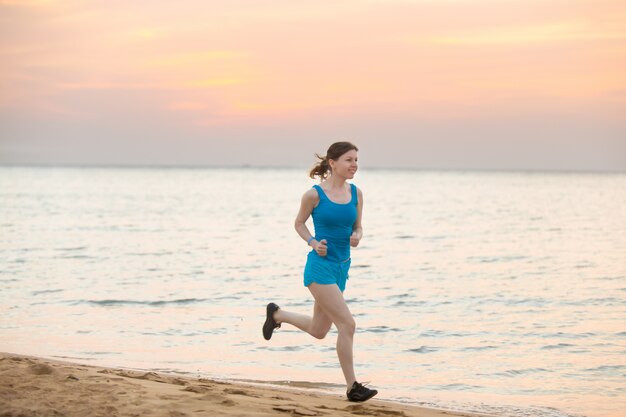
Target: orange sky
(425, 75)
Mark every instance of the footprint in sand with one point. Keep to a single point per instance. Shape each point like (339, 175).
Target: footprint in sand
(169, 397)
(104, 410)
(386, 412)
(41, 369)
(296, 411)
(198, 389)
(363, 410)
(240, 392)
(323, 407)
(278, 397)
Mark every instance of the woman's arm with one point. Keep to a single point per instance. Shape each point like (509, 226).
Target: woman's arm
(357, 229)
(308, 203)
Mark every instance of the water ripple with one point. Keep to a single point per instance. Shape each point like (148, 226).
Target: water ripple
(424, 349)
(477, 348)
(557, 346)
(111, 303)
(381, 329)
(46, 292)
(520, 372)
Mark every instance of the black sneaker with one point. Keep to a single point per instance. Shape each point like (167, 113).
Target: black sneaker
(270, 323)
(359, 393)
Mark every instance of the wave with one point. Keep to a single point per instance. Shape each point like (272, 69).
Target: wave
(496, 259)
(111, 303)
(381, 329)
(477, 348)
(424, 349)
(45, 292)
(609, 370)
(71, 249)
(559, 346)
(519, 372)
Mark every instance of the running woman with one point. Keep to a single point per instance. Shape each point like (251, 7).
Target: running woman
(336, 207)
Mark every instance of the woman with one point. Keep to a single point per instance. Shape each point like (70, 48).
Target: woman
(336, 207)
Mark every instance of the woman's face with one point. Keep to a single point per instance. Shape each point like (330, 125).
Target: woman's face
(346, 166)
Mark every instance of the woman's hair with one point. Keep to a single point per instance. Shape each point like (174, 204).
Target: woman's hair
(334, 152)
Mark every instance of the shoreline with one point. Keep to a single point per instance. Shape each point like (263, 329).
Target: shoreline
(32, 386)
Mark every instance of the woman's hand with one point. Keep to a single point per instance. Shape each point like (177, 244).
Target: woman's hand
(355, 238)
(320, 247)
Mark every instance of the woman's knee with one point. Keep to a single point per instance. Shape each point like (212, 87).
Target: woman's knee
(319, 333)
(348, 326)
(321, 330)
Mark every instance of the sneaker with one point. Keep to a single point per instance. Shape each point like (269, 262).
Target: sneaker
(270, 323)
(359, 393)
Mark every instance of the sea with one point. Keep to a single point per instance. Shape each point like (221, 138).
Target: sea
(502, 293)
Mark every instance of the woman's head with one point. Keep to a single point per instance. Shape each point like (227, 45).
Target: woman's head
(340, 156)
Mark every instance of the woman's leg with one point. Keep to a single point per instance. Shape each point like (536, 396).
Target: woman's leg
(317, 326)
(331, 302)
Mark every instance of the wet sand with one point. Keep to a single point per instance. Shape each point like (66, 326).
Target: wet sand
(32, 386)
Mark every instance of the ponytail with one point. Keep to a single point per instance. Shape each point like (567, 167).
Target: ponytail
(321, 169)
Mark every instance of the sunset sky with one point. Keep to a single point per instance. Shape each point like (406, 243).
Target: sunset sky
(522, 84)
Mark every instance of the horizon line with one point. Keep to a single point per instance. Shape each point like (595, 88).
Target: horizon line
(137, 165)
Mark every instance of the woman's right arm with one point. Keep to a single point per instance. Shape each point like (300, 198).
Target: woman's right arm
(308, 203)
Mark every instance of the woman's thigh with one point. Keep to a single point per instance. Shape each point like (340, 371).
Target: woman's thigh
(331, 302)
(320, 325)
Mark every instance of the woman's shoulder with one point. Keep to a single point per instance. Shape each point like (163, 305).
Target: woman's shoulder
(359, 193)
(311, 194)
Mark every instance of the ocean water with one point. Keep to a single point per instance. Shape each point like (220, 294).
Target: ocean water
(502, 293)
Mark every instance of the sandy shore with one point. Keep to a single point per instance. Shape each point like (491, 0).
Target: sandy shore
(41, 387)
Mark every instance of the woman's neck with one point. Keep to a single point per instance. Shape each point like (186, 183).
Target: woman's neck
(336, 182)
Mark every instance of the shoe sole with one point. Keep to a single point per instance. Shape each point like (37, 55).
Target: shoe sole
(270, 324)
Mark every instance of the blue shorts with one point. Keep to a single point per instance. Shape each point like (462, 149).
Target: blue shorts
(322, 271)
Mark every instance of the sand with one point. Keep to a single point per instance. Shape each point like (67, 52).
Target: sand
(32, 386)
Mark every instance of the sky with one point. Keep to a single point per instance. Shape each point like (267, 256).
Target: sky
(427, 84)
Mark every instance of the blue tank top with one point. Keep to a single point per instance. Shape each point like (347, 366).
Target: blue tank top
(333, 222)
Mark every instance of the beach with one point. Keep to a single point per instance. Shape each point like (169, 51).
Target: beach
(489, 293)
(31, 386)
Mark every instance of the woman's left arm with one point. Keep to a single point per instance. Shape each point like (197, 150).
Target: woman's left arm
(357, 229)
